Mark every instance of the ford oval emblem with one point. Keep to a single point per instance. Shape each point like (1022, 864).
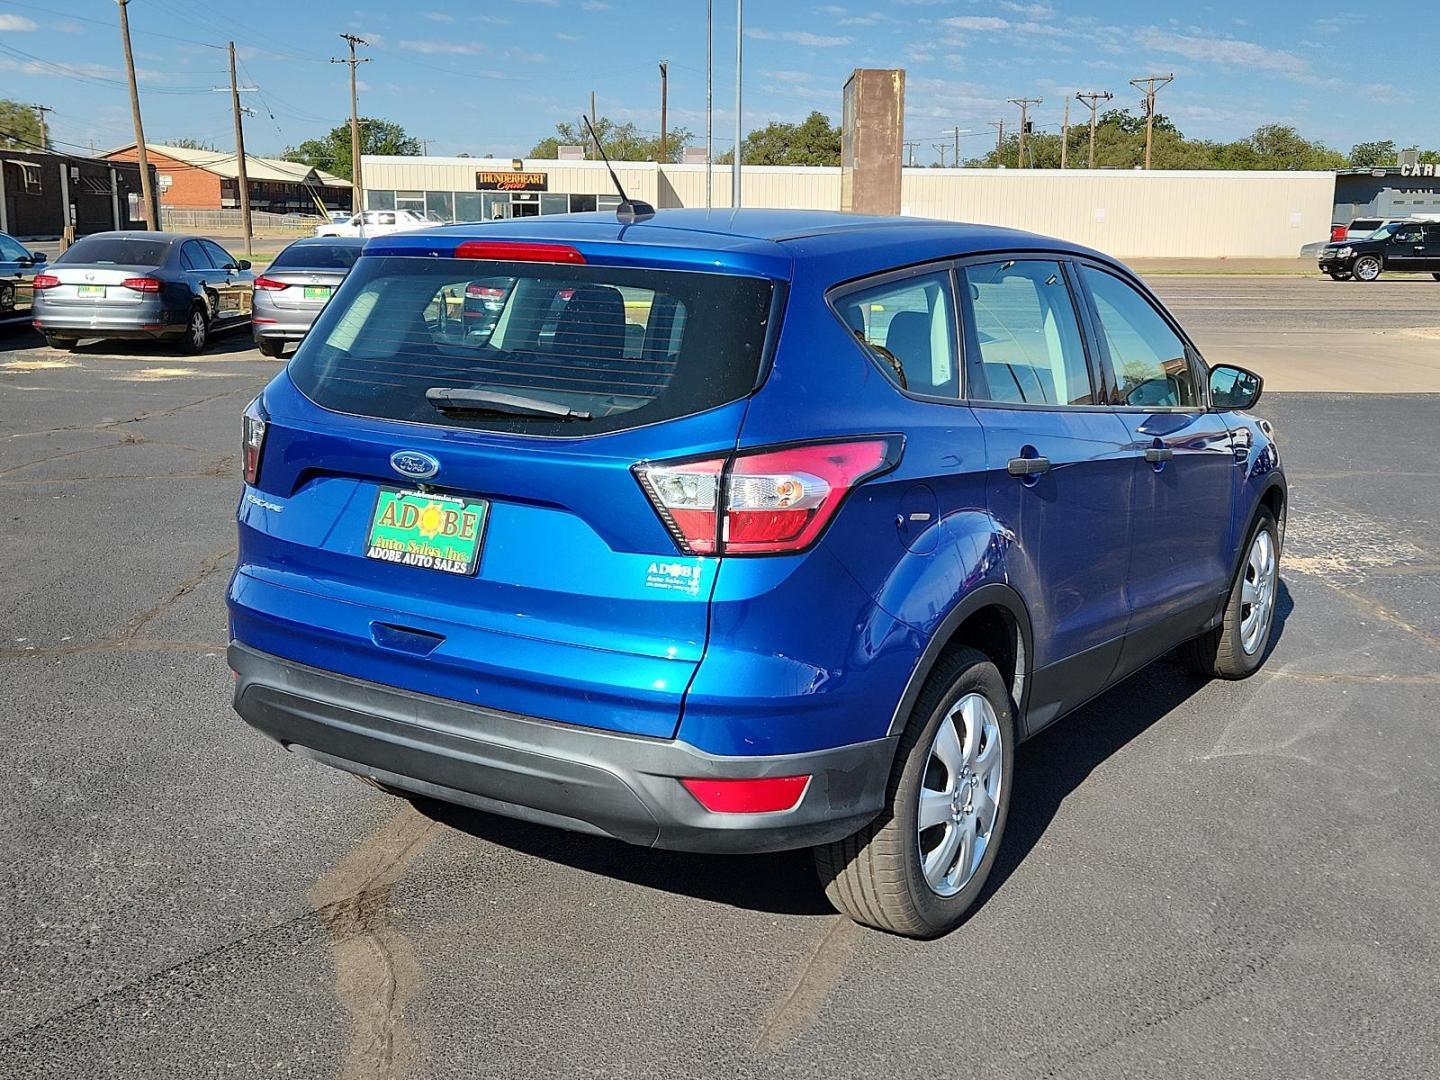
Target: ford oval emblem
(413, 465)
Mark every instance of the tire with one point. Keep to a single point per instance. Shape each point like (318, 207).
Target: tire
(1236, 648)
(270, 348)
(877, 876)
(197, 332)
(1436, 276)
(55, 341)
(1367, 268)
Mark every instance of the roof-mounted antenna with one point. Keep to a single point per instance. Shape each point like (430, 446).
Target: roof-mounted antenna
(630, 210)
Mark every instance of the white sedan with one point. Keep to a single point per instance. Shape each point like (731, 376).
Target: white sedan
(378, 223)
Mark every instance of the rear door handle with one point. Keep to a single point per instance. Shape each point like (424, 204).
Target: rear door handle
(1156, 454)
(1029, 466)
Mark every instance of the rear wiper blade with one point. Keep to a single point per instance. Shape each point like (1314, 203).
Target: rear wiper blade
(459, 399)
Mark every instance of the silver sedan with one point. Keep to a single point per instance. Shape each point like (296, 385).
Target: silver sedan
(297, 286)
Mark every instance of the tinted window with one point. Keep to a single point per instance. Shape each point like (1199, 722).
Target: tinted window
(192, 257)
(908, 325)
(318, 256)
(626, 345)
(11, 250)
(1152, 369)
(219, 257)
(1028, 349)
(118, 250)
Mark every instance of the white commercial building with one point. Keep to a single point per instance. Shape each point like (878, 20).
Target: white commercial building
(1130, 214)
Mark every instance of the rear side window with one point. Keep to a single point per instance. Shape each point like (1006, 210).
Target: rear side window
(909, 326)
(1028, 349)
(317, 256)
(117, 250)
(618, 347)
(1152, 367)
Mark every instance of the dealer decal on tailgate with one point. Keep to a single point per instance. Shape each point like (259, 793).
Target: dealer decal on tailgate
(425, 530)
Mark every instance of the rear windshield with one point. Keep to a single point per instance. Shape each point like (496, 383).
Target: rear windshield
(317, 256)
(615, 347)
(120, 250)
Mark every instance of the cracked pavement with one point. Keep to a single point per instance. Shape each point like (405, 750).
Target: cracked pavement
(1200, 880)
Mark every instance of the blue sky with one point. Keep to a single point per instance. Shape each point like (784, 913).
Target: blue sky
(494, 77)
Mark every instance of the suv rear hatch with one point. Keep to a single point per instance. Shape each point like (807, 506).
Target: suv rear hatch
(447, 505)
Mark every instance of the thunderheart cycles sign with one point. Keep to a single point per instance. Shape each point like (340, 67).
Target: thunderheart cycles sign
(511, 181)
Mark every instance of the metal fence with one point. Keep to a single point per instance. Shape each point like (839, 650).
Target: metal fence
(179, 220)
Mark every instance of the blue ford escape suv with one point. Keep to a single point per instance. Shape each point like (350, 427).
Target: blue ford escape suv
(741, 532)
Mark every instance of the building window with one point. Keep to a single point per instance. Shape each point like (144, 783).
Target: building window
(379, 200)
(441, 204)
(30, 176)
(410, 200)
(469, 206)
(582, 204)
(554, 204)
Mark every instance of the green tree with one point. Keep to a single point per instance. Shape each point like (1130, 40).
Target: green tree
(622, 142)
(813, 141)
(184, 142)
(1368, 155)
(19, 126)
(1430, 157)
(332, 151)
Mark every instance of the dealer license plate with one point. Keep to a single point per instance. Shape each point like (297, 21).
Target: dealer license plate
(428, 531)
(317, 292)
(90, 290)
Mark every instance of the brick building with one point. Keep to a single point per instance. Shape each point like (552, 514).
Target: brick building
(209, 180)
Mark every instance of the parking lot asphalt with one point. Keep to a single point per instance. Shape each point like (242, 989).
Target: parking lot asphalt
(1200, 879)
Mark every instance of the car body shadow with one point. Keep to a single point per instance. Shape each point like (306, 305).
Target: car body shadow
(230, 341)
(1048, 768)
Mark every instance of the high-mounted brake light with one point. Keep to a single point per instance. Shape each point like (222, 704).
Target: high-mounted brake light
(252, 439)
(41, 282)
(516, 251)
(270, 283)
(764, 796)
(141, 284)
(762, 502)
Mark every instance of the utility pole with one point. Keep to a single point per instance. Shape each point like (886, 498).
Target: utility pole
(357, 193)
(40, 111)
(594, 142)
(709, 103)
(910, 153)
(1025, 104)
(1065, 136)
(243, 179)
(999, 126)
(1092, 101)
(141, 157)
(940, 148)
(1151, 86)
(664, 101)
(739, 68)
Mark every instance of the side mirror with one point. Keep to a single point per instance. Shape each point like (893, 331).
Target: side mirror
(244, 264)
(1234, 388)
(37, 257)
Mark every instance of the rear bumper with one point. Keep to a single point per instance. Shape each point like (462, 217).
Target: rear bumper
(622, 786)
(279, 324)
(147, 319)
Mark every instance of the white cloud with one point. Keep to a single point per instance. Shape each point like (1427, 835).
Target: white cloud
(17, 23)
(439, 16)
(1030, 11)
(594, 5)
(464, 48)
(979, 24)
(797, 37)
(1231, 52)
(569, 37)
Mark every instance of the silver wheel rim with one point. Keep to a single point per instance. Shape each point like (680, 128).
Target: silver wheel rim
(197, 330)
(1257, 592)
(960, 794)
(1367, 269)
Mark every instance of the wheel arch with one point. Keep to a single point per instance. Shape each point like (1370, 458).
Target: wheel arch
(992, 619)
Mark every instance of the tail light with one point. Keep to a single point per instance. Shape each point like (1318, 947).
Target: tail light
(252, 439)
(764, 796)
(484, 292)
(44, 281)
(1337, 233)
(270, 284)
(141, 284)
(762, 502)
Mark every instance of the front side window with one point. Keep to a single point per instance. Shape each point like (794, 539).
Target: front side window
(1151, 363)
(909, 327)
(11, 251)
(1027, 349)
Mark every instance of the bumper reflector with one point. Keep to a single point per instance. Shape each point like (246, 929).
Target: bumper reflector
(767, 796)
